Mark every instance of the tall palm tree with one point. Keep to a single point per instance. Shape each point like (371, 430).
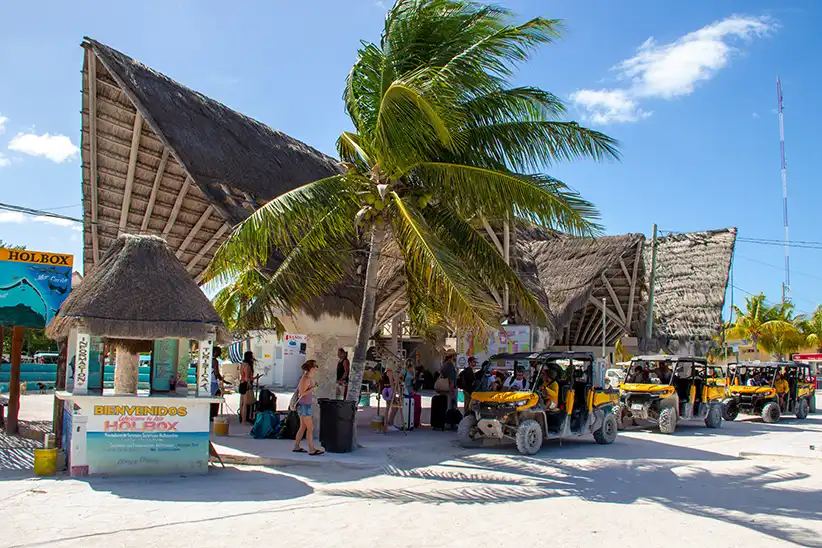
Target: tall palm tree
(784, 341)
(441, 142)
(760, 321)
(812, 329)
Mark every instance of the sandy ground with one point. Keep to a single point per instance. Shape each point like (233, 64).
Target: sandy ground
(689, 489)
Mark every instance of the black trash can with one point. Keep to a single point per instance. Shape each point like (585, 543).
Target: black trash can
(337, 425)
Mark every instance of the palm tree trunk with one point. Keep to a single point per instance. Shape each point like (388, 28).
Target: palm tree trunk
(126, 371)
(369, 302)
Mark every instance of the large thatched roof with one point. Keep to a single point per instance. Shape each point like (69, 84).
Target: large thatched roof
(574, 274)
(139, 290)
(160, 158)
(692, 274)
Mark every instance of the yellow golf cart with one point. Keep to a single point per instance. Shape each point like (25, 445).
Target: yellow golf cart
(753, 390)
(670, 389)
(528, 416)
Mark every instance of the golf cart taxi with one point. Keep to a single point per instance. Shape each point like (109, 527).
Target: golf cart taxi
(763, 400)
(675, 388)
(527, 417)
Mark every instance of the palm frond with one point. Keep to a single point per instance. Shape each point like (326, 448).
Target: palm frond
(547, 202)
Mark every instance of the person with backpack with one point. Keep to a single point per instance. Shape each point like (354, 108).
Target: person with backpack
(466, 381)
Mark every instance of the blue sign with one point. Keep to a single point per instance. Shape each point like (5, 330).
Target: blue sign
(33, 285)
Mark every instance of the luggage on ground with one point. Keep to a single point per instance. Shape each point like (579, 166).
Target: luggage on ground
(453, 417)
(417, 410)
(408, 409)
(265, 425)
(439, 407)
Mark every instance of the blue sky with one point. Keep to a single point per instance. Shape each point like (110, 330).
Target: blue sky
(687, 87)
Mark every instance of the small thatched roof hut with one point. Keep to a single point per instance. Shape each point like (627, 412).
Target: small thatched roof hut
(692, 273)
(139, 290)
(160, 158)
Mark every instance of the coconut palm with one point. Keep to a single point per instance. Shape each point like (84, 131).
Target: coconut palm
(812, 329)
(782, 342)
(440, 143)
(761, 324)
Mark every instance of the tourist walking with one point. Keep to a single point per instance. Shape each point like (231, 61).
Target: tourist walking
(246, 387)
(306, 388)
(343, 369)
(466, 381)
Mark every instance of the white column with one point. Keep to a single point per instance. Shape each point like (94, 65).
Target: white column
(81, 362)
(204, 367)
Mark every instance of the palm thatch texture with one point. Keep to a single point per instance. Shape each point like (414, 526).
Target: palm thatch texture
(692, 275)
(441, 139)
(160, 158)
(138, 291)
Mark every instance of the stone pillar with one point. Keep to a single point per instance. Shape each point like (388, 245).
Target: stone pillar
(322, 347)
(126, 371)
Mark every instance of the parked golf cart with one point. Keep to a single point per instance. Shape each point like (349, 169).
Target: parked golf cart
(676, 388)
(527, 417)
(763, 399)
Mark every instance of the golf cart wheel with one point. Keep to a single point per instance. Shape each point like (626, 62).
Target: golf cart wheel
(714, 418)
(667, 420)
(771, 413)
(607, 433)
(529, 437)
(730, 410)
(802, 409)
(618, 412)
(812, 401)
(467, 431)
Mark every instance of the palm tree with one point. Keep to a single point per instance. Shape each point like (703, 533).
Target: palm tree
(812, 329)
(760, 323)
(782, 342)
(441, 143)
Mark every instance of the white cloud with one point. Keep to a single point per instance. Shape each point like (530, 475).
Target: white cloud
(3, 120)
(54, 221)
(4, 161)
(380, 4)
(667, 71)
(755, 115)
(11, 217)
(57, 148)
(605, 106)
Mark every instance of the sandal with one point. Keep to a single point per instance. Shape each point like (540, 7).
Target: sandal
(316, 452)
(298, 450)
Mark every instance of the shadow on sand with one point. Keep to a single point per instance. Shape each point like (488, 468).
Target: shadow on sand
(749, 498)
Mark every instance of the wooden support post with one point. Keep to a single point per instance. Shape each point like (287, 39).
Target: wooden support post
(203, 250)
(161, 169)
(614, 297)
(14, 379)
(204, 367)
(649, 327)
(194, 231)
(506, 246)
(91, 60)
(492, 235)
(132, 167)
(607, 310)
(177, 205)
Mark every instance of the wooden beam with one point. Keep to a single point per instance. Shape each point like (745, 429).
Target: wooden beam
(208, 245)
(595, 337)
(392, 300)
(579, 326)
(92, 122)
(153, 197)
(251, 204)
(177, 205)
(194, 231)
(613, 335)
(132, 166)
(591, 321)
(633, 280)
(492, 234)
(614, 297)
(624, 269)
(608, 312)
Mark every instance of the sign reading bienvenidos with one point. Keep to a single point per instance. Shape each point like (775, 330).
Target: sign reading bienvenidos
(33, 285)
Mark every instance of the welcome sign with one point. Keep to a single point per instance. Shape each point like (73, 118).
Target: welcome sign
(33, 285)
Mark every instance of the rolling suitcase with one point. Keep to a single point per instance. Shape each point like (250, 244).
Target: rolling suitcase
(453, 417)
(439, 407)
(417, 410)
(408, 408)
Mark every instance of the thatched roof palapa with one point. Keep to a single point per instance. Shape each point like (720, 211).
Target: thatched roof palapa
(160, 158)
(692, 272)
(139, 290)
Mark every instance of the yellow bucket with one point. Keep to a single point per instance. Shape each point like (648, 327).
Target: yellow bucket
(220, 426)
(45, 462)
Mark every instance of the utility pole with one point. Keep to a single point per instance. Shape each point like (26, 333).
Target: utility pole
(650, 325)
(786, 285)
(14, 379)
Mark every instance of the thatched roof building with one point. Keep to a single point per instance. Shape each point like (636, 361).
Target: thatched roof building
(160, 158)
(692, 275)
(138, 290)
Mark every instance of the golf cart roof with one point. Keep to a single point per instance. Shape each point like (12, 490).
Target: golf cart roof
(531, 356)
(668, 358)
(768, 365)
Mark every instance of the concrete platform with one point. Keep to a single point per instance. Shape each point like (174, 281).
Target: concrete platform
(375, 449)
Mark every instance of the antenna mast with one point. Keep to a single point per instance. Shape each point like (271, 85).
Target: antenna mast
(786, 285)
